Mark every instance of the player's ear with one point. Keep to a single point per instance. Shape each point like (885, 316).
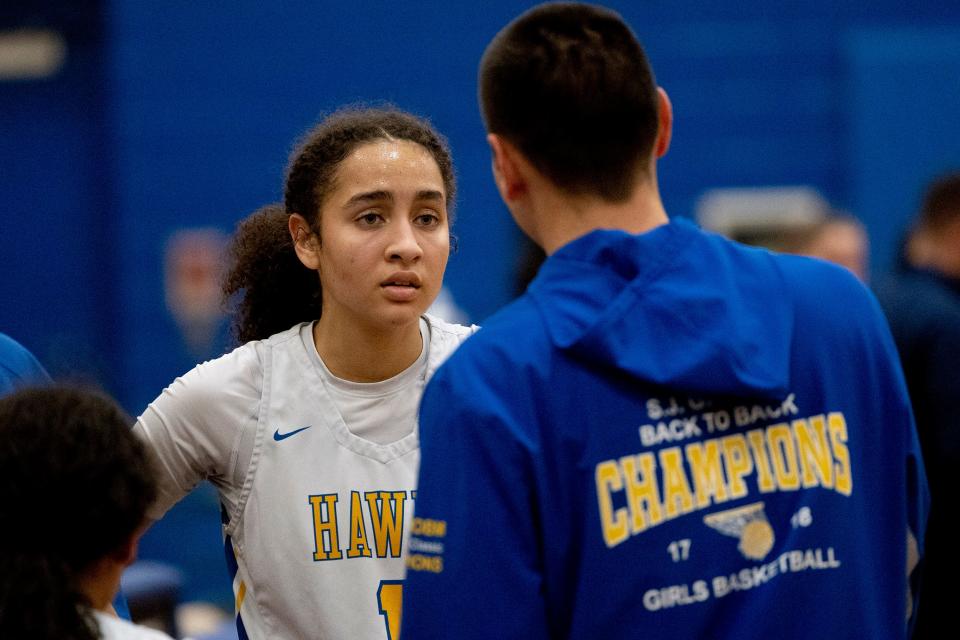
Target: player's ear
(305, 241)
(665, 123)
(507, 172)
(126, 553)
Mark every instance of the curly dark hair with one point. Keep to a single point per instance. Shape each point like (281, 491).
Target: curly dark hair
(274, 290)
(75, 484)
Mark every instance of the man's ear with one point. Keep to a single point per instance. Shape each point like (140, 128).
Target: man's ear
(507, 168)
(305, 241)
(665, 123)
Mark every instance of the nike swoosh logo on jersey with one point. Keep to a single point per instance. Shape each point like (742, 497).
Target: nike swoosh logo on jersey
(283, 436)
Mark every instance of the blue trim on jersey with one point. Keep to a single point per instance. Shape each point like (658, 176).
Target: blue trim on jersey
(232, 566)
(241, 630)
(121, 607)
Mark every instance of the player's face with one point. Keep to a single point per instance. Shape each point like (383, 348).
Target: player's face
(384, 235)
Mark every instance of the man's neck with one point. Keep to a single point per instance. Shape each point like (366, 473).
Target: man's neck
(561, 218)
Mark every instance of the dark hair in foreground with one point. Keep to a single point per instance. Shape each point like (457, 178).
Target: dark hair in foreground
(570, 85)
(276, 291)
(75, 484)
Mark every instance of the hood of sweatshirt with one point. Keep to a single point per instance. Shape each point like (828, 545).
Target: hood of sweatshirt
(675, 306)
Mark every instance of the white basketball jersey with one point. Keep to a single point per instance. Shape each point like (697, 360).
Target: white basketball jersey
(113, 628)
(318, 517)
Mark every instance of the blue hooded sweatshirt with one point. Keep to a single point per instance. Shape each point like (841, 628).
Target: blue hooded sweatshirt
(669, 435)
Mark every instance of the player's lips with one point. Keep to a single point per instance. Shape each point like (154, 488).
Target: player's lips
(401, 286)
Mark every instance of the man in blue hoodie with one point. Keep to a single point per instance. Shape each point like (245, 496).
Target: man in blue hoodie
(669, 435)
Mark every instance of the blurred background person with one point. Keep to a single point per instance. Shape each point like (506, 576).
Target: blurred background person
(75, 486)
(922, 301)
(933, 244)
(840, 239)
(796, 220)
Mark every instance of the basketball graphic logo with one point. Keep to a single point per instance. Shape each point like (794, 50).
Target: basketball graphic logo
(749, 524)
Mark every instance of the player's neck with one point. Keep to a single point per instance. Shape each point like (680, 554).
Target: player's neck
(358, 353)
(100, 582)
(560, 218)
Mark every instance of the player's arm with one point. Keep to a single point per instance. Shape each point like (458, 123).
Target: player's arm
(192, 429)
(474, 561)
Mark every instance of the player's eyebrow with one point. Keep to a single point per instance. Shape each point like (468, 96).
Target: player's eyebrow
(429, 194)
(370, 196)
(378, 196)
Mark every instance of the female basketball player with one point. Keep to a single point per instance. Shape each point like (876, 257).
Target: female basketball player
(74, 492)
(308, 430)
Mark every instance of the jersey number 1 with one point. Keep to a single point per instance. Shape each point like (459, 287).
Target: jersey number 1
(390, 600)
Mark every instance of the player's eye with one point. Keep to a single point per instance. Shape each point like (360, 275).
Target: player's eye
(427, 219)
(369, 219)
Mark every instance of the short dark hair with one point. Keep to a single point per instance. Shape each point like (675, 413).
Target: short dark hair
(274, 289)
(75, 484)
(571, 86)
(941, 202)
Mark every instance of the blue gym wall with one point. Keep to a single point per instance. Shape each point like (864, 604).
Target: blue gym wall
(182, 113)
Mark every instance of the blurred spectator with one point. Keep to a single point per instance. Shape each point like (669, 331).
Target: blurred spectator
(934, 243)
(192, 273)
(922, 302)
(839, 239)
(795, 220)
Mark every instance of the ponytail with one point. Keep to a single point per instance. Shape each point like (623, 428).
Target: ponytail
(275, 290)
